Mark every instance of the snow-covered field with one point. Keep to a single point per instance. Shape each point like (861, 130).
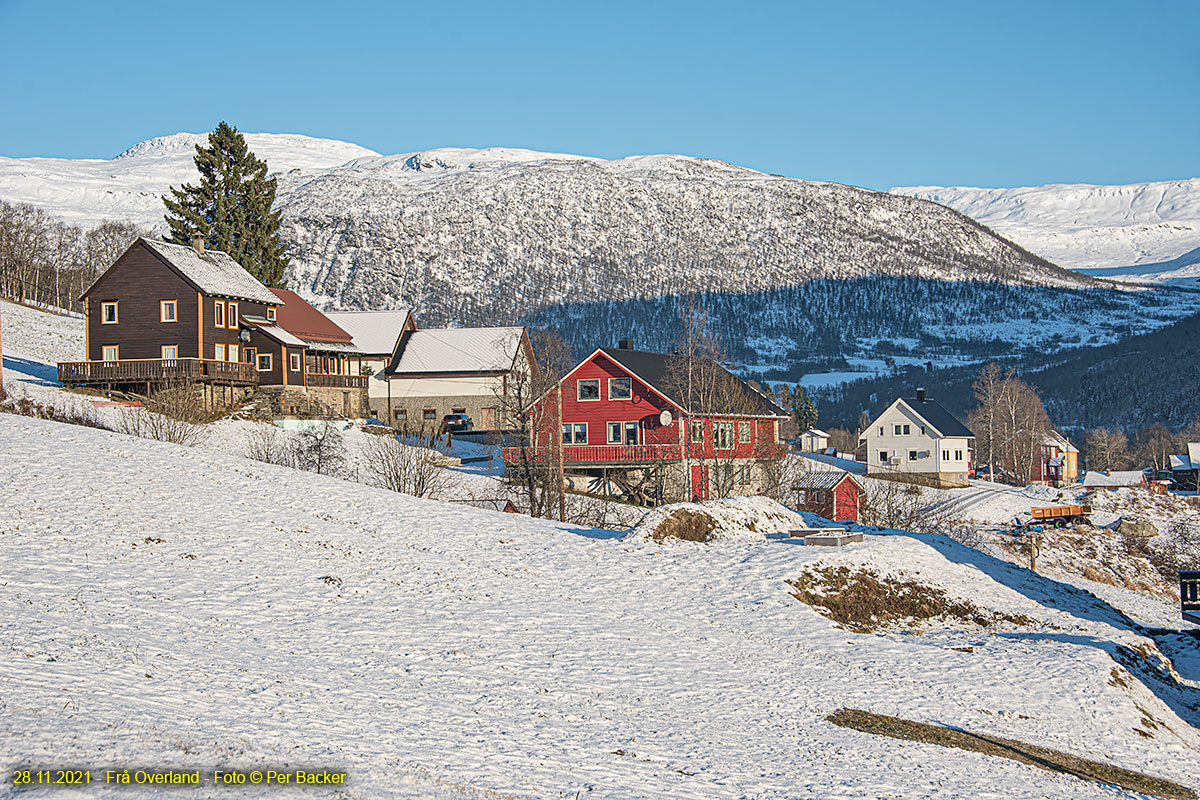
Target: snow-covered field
(176, 606)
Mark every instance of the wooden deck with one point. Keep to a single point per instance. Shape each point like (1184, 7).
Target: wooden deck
(621, 454)
(343, 381)
(156, 371)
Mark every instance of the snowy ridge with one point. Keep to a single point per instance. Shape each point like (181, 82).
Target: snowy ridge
(1082, 225)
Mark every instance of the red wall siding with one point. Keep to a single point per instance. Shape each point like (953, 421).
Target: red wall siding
(644, 407)
(847, 496)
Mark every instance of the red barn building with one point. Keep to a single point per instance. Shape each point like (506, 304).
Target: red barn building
(833, 494)
(621, 416)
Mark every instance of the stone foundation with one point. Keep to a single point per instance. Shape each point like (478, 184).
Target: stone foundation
(413, 410)
(313, 401)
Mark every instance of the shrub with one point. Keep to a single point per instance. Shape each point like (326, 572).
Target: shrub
(686, 525)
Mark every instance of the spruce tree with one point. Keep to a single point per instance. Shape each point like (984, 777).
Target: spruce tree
(804, 410)
(231, 206)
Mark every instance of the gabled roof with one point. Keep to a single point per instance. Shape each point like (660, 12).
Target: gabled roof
(1114, 478)
(815, 432)
(374, 332)
(456, 350)
(823, 479)
(937, 417)
(274, 331)
(299, 318)
(655, 370)
(214, 273)
(1056, 439)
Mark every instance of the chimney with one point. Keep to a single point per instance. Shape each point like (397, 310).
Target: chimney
(198, 243)
(921, 395)
(625, 344)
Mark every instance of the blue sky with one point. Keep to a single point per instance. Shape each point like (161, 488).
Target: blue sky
(873, 94)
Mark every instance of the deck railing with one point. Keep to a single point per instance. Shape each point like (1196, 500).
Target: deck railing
(640, 453)
(156, 370)
(344, 381)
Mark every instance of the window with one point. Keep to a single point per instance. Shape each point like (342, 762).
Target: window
(922, 430)
(219, 352)
(912, 455)
(429, 413)
(166, 311)
(219, 315)
(958, 455)
(697, 430)
(231, 320)
(744, 432)
(883, 456)
(233, 354)
(819, 496)
(249, 354)
(108, 313)
(881, 430)
(906, 430)
(588, 390)
(264, 362)
(110, 352)
(631, 433)
(400, 414)
(294, 365)
(170, 351)
(899, 429)
(270, 315)
(574, 433)
(620, 388)
(458, 409)
(723, 434)
(614, 433)
(945, 455)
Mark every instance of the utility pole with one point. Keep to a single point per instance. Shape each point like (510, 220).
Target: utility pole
(562, 480)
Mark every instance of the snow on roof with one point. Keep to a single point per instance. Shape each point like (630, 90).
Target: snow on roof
(374, 332)
(275, 332)
(1056, 439)
(815, 432)
(457, 350)
(1194, 452)
(215, 272)
(1115, 478)
(823, 479)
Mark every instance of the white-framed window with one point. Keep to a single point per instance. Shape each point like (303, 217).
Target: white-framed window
(697, 426)
(897, 429)
(166, 311)
(231, 316)
(883, 456)
(219, 352)
(574, 433)
(881, 430)
(623, 432)
(723, 435)
(271, 314)
(907, 430)
(945, 455)
(294, 362)
(232, 352)
(108, 313)
(912, 455)
(110, 352)
(587, 389)
(958, 455)
(620, 388)
(249, 354)
(219, 314)
(614, 433)
(170, 351)
(263, 362)
(744, 432)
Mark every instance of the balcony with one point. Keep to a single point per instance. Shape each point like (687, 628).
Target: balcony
(157, 370)
(339, 381)
(613, 454)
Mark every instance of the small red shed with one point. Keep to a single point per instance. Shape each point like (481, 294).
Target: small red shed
(833, 494)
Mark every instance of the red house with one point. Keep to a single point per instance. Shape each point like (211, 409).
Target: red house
(622, 416)
(833, 494)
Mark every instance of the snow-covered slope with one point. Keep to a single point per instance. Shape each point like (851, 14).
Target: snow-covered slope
(1082, 226)
(174, 607)
(129, 187)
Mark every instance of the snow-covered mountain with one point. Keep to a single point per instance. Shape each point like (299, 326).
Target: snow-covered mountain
(129, 187)
(1081, 226)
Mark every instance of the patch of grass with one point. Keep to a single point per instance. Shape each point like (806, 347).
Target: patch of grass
(1040, 757)
(687, 525)
(864, 602)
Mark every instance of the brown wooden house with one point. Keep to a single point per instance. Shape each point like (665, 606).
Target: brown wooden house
(166, 313)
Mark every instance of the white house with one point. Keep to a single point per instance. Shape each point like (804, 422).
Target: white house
(443, 371)
(375, 334)
(813, 440)
(918, 437)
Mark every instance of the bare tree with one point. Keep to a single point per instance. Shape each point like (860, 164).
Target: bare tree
(1107, 449)
(174, 414)
(1010, 423)
(320, 449)
(417, 471)
(1155, 444)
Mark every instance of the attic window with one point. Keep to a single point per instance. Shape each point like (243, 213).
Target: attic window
(232, 320)
(620, 389)
(219, 315)
(166, 311)
(588, 389)
(108, 313)
(270, 315)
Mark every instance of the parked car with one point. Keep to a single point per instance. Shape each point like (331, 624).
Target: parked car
(456, 423)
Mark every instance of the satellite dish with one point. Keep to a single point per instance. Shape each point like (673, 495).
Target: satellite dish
(664, 418)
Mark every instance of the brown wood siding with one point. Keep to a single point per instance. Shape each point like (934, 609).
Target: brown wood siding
(295, 377)
(137, 282)
(266, 345)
